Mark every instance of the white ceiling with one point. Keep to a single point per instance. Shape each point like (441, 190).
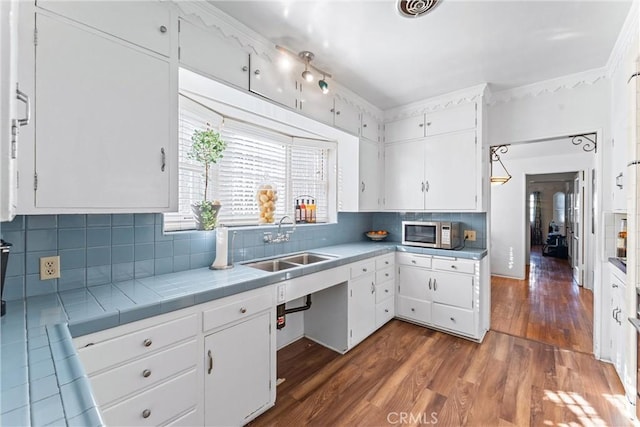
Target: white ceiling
(390, 60)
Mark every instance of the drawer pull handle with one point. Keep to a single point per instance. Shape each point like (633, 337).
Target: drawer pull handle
(454, 267)
(435, 284)
(210, 362)
(146, 413)
(386, 310)
(373, 288)
(147, 342)
(429, 284)
(146, 373)
(364, 270)
(243, 310)
(163, 29)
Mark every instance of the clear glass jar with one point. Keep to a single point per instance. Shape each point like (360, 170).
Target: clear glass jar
(267, 196)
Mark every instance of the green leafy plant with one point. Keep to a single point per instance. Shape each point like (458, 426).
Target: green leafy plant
(206, 148)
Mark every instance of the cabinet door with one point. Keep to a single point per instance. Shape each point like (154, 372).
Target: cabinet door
(104, 121)
(268, 80)
(370, 127)
(346, 116)
(237, 372)
(404, 176)
(451, 171)
(206, 51)
(362, 308)
(369, 175)
(8, 108)
(316, 104)
(453, 289)
(403, 129)
(451, 120)
(416, 283)
(146, 24)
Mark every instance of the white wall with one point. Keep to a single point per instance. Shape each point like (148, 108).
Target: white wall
(509, 214)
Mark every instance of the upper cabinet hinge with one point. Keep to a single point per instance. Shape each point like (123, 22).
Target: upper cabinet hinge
(35, 37)
(179, 25)
(35, 181)
(178, 52)
(269, 384)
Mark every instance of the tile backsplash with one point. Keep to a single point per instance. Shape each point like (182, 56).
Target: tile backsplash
(98, 249)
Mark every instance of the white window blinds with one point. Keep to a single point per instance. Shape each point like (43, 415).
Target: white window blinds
(254, 156)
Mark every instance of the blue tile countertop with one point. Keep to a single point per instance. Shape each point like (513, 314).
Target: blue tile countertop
(42, 379)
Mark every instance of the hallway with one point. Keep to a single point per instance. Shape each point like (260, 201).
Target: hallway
(547, 307)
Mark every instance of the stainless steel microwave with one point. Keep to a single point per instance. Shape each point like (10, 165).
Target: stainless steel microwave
(432, 234)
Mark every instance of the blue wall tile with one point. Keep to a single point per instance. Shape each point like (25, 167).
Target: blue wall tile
(98, 237)
(143, 234)
(72, 238)
(16, 238)
(122, 271)
(42, 240)
(122, 236)
(121, 219)
(42, 221)
(98, 256)
(72, 221)
(17, 224)
(99, 275)
(163, 249)
(14, 288)
(72, 279)
(72, 258)
(101, 220)
(122, 253)
(144, 219)
(144, 251)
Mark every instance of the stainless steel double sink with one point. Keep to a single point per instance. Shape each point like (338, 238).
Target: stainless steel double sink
(289, 261)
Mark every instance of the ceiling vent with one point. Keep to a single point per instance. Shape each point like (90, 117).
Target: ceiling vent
(415, 8)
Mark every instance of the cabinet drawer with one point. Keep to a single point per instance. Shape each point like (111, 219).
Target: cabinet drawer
(146, 341)
(453, 289)
(385, 261)
(191, 418)
(414, 260)
(454, 265)
(385, 291)
(414, 309)
(158, 404)
(385, 275)
(384, 312)
(235, 311)
(453, 318)
(140, 23)
(143, 373)
(363, 267)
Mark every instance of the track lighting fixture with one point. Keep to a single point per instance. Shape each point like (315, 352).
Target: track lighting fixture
(306, 57)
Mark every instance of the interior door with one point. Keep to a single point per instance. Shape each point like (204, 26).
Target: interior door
(577, 231)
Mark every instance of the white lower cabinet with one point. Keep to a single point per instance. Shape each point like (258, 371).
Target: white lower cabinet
(238, 371)
(618, 321)
(443, 293)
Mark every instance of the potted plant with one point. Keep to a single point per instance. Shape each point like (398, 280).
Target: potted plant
(206, 148)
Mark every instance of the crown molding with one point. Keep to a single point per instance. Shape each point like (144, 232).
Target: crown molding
(227, 26)
(628, 34)
(462, 96)
(571, 81)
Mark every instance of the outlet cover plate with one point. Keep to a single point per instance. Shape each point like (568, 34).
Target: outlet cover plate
(470, 235)
(49, 267)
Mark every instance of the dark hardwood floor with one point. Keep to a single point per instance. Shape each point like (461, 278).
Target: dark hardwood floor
(547, 307)
(409, 375)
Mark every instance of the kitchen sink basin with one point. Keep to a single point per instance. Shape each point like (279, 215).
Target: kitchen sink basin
(272, 265)
(306, 258)
(288, 261)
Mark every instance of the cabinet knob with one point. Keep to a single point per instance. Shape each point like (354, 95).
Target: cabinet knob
(454, 267)
(453, 319)
(256, 72)
(243, 310)
(413, 309)
(163, 29)
(333, 110)
(413, 261)
(386, 262)
(338, 113)
(146, 413)
(245, 68)
(386, 310)
(428, 123)
(421, 125)
(147, 342)
(146, 373)
(364, 125)
(386, 274)
(364, 270)
(386, 290)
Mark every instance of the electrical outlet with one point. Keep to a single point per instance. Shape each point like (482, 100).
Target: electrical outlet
(49, 267)
(470, 235)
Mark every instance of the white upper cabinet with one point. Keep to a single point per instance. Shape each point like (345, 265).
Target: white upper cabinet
(268, 80)
(105, 132)
(370, 128)
(346, 116)
(13, 112)
(404, 176)
(145, 23)
(370, 172)
(316, 104)
(404, 129)
(451, 119)
(204, 51)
